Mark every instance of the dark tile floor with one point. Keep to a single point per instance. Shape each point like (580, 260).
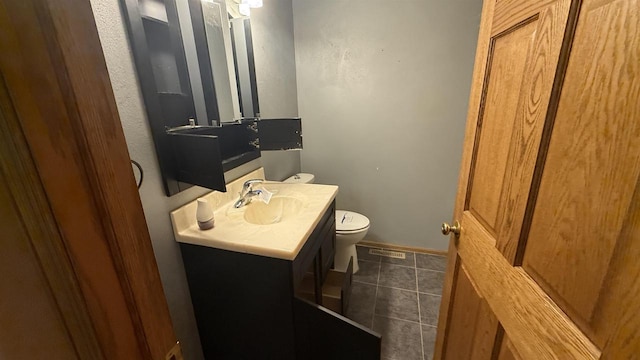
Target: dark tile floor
(400, 299)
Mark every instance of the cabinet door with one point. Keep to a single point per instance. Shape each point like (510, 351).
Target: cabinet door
(549, 192)
(322, 334)
(280, 134)
(328, 248)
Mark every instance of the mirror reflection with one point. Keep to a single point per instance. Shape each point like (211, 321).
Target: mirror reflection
(195, 65)
(217, 30)
(224, 56)
(242, 44)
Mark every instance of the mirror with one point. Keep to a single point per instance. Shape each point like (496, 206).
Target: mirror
(194, 62)
(242, 44)
(216, 31)
(224, 50)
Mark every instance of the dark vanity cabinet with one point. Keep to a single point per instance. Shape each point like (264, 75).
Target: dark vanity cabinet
(253, 307)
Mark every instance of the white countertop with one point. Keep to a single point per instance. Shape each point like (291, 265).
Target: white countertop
(281, 240)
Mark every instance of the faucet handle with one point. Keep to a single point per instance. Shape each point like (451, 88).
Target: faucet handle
(249, 183)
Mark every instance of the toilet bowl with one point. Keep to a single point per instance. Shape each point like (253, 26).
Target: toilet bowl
(351, 227)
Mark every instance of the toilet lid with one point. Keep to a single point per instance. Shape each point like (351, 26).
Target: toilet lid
(301, 178)
(350, 221)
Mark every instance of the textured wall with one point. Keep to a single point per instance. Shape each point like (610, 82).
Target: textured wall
(383, 88)
(113, 36)
(272, 31)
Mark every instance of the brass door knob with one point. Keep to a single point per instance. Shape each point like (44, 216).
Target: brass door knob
(448, 229)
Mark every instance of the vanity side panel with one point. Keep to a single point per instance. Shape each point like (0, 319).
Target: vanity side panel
(309, 251)
(242, 302)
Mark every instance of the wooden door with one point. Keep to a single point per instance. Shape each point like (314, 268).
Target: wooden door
(78, 273)
(546, 262)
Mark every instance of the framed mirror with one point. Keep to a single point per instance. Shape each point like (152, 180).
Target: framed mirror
(197, 75)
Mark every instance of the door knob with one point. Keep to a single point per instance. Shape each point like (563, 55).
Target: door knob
(448, 229)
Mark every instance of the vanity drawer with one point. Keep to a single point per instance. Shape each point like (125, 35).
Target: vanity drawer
(336, 290)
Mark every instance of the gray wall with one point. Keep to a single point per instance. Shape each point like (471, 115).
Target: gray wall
(272, 31)
(156, 204)
(278, 85)
(383, 88)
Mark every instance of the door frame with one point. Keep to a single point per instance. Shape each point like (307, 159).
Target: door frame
(69, 173)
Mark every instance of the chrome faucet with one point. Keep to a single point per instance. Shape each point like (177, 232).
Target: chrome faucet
(247, 193)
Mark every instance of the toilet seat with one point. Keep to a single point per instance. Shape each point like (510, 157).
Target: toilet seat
(348, 222)
(351, 232)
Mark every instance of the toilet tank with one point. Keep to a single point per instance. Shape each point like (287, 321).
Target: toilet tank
(301, 178)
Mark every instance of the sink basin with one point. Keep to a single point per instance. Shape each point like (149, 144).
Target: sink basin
(279, 209)
(278, 229)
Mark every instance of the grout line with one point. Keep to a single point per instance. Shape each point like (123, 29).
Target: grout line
(395, 318)
(396, 288)
(440, 271)
(375, 297)
(415, 267)
(410, 267)
(364, 282)
(436, 271)
(367, 260)
(415, 262)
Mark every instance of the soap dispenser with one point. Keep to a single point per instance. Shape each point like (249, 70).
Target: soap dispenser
(204, 214)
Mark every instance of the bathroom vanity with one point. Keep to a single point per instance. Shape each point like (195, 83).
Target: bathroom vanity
(249, 278)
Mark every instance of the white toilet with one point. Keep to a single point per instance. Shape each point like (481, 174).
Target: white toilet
(351, 227)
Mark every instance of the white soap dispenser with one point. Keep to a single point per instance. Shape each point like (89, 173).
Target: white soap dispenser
(204, 214)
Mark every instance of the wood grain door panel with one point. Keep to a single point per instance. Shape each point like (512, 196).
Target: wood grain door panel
(537, 327)
(29, 313)
(519, 78)
(617, 316)
(592, 165)
(506, 351)
(473, 325)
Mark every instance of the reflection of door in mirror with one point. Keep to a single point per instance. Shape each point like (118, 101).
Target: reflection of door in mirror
(218, 45)
(214, 59)
(245, 67)
(224, 49)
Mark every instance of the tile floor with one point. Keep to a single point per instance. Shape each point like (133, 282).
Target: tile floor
(400, 299)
